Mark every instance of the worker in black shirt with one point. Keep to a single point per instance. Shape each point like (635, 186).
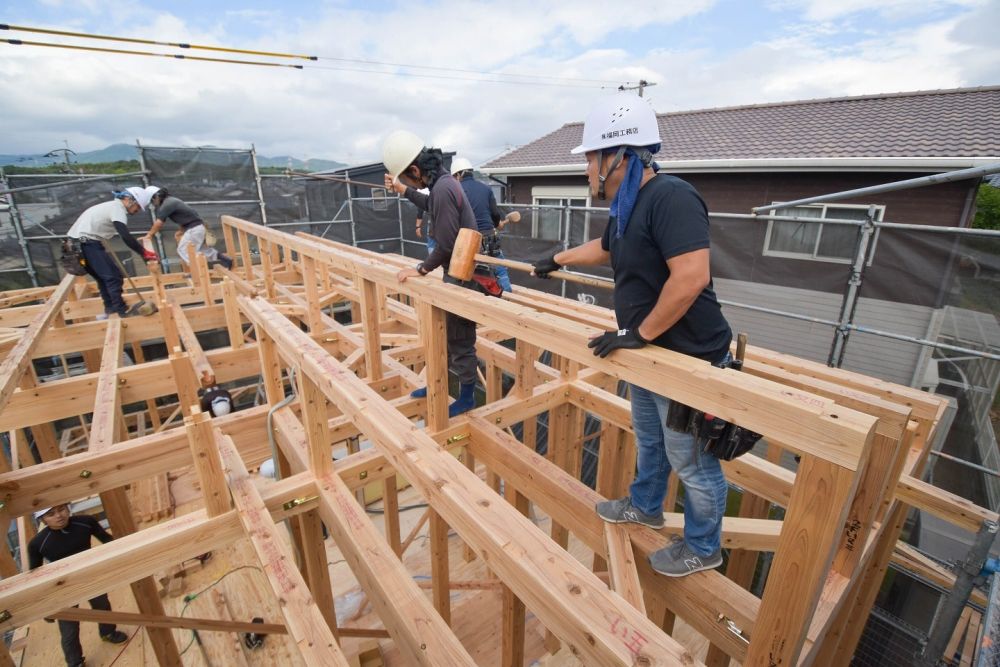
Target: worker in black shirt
(657, 242)
(192, 232)
(410, 166)
(65, 535)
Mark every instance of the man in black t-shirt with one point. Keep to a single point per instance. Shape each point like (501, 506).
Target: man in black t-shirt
(658, 244)
(63, 536)
(192, 233)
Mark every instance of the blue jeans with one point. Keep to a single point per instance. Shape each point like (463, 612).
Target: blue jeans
(431, 244)
(503, 277)
(661, 450)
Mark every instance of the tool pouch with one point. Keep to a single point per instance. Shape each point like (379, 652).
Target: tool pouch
(486, 280)
(734, 442)
(72, 260)
(678, 417)
(490, 244)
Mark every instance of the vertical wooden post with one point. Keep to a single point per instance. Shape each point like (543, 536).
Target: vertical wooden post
(207, 463)
(809, 535)
(370, 321)
(512, 639)
(317, 572)
(433, 336)
(313, 319)
(267, 267)
(245, 261)
(234, 324)
(204, 278)
(390, 514)
(441, 591)
(315, 420)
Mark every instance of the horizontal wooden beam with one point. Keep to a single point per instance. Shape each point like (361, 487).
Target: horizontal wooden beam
(19, 358)
(179, 622)
(798, 420)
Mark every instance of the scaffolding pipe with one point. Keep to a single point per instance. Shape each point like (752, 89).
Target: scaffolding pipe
(933, 179)
(853, 290)
(45, 186)
(17, 223)
(970, 464)
(951, 609)
(260, 189)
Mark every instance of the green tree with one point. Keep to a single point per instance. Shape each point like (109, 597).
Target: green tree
(987, 207)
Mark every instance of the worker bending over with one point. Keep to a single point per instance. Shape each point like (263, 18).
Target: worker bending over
(411, 166)
(65, 535)
(191, 235)
(489, 222)
(100, 223)
(658, 244)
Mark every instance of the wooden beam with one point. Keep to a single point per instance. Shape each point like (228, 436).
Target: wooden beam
(202, 367)
(177, 622)
(943, 504)
(580, 609)
(800, 421)
(208, 465)
(434, 337)
(107, 401)
(305, 622)
(19, 358)
(621, 565)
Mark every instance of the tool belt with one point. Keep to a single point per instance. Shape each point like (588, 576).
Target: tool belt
(490, 244)
(714, 435)
(72, 260)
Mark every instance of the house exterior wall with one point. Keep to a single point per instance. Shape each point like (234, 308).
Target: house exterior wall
(906, 267)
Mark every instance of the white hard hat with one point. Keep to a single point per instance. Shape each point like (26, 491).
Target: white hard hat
(40, 512)
(221, 405)
(399, 150)
(460, 164)
(142, 195)
(623, 119)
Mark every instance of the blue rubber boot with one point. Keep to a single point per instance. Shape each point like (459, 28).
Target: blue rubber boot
(466, 400)
(419, 393)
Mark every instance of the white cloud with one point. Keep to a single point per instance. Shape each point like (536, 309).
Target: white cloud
(94, 99)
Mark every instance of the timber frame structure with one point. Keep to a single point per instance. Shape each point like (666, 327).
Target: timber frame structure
(862, 445)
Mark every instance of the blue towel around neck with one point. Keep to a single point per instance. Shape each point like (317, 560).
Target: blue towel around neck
(628, 192)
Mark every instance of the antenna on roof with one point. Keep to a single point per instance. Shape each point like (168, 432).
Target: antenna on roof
(642, 84)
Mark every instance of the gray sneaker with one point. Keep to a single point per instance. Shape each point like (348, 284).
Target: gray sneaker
(677, 559)
(622, 511)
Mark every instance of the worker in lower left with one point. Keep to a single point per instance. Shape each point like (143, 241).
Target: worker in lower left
(65, 535)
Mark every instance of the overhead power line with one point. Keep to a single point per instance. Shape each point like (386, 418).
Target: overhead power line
(509, 77)
(136, 40)
(178, 56)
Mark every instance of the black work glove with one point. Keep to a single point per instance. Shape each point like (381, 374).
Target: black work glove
(543, 267)
(609, 341)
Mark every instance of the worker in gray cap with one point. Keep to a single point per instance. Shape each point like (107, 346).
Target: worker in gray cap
(65, 535)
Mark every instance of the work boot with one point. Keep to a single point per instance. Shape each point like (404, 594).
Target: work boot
(419, 393)
(226, 261)
(116, 637)
(677, 559)
(466, 400)
(623, 511)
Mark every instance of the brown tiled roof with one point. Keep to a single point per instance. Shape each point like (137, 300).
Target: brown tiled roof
(963, 122)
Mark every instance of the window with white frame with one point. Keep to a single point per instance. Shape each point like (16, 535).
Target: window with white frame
(551, 202)
(818, 241)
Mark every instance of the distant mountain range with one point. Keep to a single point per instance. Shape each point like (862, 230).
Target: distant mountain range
(125, 152)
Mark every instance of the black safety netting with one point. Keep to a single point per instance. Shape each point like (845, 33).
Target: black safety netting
(202, 174)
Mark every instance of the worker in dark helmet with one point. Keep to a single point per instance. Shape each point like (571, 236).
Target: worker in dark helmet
(191, 236)
(411, 166)
(64, 535)
(489, 222)
(658, 245)
(100, 223)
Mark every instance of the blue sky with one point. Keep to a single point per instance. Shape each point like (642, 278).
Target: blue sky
(701, 53)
